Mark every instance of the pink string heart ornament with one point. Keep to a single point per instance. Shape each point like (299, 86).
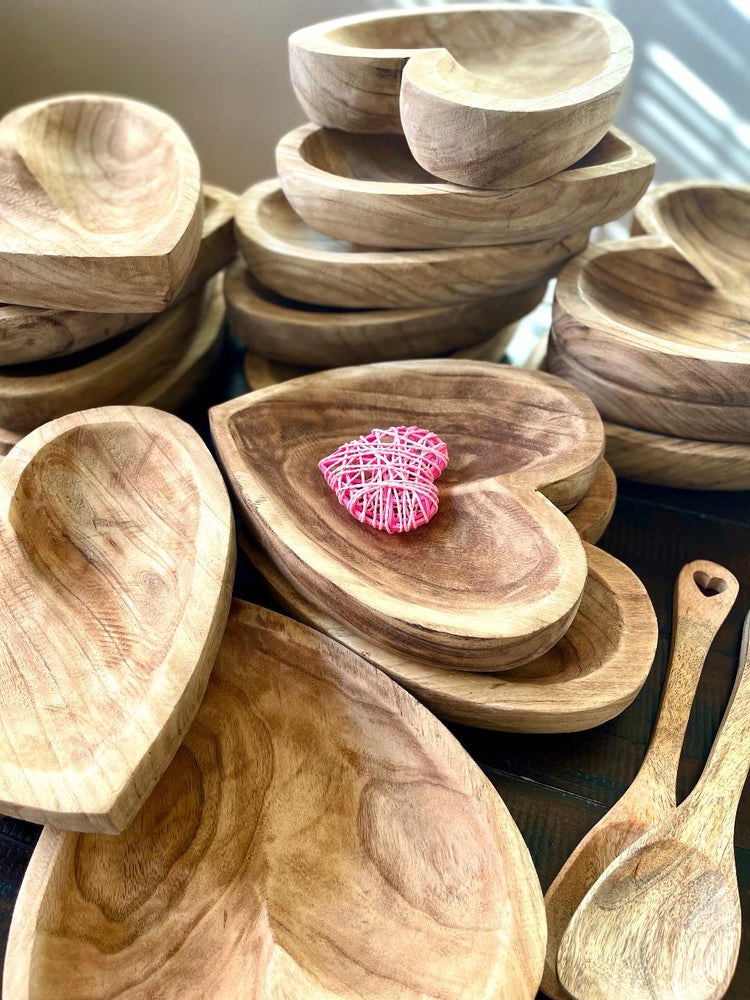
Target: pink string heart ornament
(387, 478)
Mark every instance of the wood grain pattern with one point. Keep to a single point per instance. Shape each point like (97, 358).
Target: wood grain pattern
(666, 313)
(592, 514)
(299, 334)
(298, 262)
(495, 578)
(117, 564)
(28, 334)
(370, 190)
(677, 462)
(100, 208)
(319, 835)
(670, 901)
(723, 422)
(147, 368)
(589, 676)
(482, 92)
(651, 796)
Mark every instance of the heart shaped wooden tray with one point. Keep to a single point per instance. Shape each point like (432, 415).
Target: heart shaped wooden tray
(664, 313)
(28, 334)
(591, 674)
(299, 334)
(100, 205)
(118, 560)
(370, 190)
(659, 414)
(155, 366)
(489, 96)
(677, 462)
(319, 835)
(495, 578)
(300, 263)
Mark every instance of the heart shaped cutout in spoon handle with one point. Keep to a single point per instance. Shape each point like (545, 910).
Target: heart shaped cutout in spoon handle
(704, 595)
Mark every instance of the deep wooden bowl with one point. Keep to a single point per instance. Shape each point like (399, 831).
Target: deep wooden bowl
(28, 334)
(676, 462)
(495, 578)
(118, 561)
(100, 205)
(300, 263)
(318, 836)
(299, 334)
(591, 674)
(490, 96)
(370, 190)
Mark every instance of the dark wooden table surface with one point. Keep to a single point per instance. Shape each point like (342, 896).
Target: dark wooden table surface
(557, 787)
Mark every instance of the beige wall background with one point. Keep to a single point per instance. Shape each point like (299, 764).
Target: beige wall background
(220, 67)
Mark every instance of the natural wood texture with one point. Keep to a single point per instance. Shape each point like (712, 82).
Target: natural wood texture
(651, 796)
(117, 561)
(591, 515)
(100, 206)
(710, 223)
(495, 578)
(723, 422)
(319, 835)
(666, 313)
(28, 334)
(301, 334)
(677, 462)
(663, 921)
(589, 676)
(492, 349)
(148, 368)
(489, 96)
(370, 190)
(300, 263)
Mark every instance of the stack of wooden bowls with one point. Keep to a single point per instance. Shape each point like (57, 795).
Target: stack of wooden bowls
(655, 330)
(108, 248)
(501, 612)
(430, 200)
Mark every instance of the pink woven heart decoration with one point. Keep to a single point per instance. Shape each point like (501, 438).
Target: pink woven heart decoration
(387, 478)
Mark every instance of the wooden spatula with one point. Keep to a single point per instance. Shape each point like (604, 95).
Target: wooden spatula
(663, 921)
(704, 595)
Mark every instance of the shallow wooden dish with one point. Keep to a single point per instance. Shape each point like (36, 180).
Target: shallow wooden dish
(591, 515)
(28, 334)
(677, 462)
(489, 96)
(298, 262)
(495, 578)
(319, 835)
(300, 334)
(726, 423)
(118, 560)
(370, 190)
(143, 369)
(591, 674)
(665, 313)
(100, 205)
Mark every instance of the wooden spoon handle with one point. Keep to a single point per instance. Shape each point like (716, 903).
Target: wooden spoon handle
(720, 786)
(704, 595)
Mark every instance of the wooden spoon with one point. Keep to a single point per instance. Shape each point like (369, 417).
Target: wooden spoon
(698, 617)
(663, 921)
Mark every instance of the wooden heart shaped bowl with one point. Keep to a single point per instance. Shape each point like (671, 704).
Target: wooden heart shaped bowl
(677, 462)
(489, 96)
(666, 312)
(318, 836)
(495, 578)
(588, 677)
(28, 334)
(370, 190)
(298, 262)
(100, 205)
(118, 560)
(302, 335)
